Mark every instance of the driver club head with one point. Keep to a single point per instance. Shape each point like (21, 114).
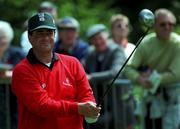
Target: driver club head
(146, 18)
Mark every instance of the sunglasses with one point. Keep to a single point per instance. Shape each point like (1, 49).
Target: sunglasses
(120, 26)
(163, 24)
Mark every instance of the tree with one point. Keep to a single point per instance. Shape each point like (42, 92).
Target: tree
(87, 12)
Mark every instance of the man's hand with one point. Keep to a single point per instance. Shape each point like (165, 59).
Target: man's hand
(89, 77)
(144, 81)
(6, 74)
(89, 109)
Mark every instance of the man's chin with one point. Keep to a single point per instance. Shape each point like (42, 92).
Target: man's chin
(45, 49)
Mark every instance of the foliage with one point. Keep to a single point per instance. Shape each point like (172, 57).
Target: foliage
(87, 12)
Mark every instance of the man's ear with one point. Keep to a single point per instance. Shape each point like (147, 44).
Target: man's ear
(30, 37)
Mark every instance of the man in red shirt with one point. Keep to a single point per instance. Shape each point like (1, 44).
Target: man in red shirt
(52, 89)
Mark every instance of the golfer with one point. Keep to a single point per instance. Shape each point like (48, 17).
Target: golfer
(52, 89)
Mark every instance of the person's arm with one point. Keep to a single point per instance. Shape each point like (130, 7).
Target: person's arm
(30, 93)
(131, 69)
(172, 74)
(169, 76)
(85, 97)
(117, 62)
(84, 91)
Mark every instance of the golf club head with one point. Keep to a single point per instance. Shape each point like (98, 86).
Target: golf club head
(146, 18)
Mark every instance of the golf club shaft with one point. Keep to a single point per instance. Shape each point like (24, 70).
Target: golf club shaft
(109, 86)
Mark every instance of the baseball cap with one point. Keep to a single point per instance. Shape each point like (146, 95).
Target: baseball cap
(41, 21)
(95, 29)
(68, 22)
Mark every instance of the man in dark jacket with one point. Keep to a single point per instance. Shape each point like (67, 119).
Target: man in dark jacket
(102, 64)
(69, 42)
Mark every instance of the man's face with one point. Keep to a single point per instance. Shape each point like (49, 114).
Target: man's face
(42, 40)
(68, 36)
(163, 27)
(120, 29)
(99, 41)
(3, 43)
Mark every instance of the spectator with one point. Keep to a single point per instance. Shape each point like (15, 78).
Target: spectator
(45, 6)
(8, 53)
(120, 30)
(49, 7)
(155, 65)
(69, 42)
(101, 65)
(9, 57)
(52, 89)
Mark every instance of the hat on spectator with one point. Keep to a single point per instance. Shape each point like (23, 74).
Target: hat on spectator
(68, 22)
(46, 5)
(41, 21)
(95, 29)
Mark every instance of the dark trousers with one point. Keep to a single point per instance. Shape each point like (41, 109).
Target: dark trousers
(13, 109)
(152, 123)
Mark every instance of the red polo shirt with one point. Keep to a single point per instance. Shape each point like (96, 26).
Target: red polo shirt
(48, 96)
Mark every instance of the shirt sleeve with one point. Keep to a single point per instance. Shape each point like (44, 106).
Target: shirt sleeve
(84, 91)
(29, 93)
(169, 75)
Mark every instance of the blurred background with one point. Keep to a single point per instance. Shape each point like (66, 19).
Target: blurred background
(87, 12)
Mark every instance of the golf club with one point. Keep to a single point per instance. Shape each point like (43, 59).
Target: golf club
(146, 18)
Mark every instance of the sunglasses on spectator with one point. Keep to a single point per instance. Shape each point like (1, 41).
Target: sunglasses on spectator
(120, 26)
(163, 24)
